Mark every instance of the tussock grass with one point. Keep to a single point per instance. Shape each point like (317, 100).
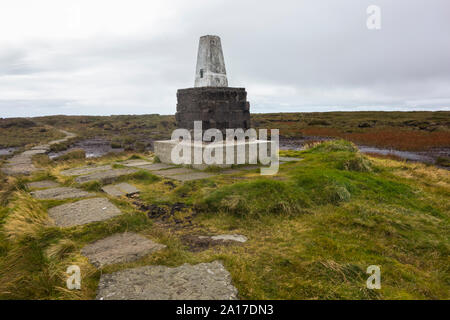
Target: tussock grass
(312, 234)
(143, 176)
(9, 186)
(26, 219)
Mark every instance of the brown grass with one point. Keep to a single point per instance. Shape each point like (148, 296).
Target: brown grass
(410, 140)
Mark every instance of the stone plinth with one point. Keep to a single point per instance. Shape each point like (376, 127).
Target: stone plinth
(163, 149)
(217, 107)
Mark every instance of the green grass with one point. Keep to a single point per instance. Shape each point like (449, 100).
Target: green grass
(313, 230)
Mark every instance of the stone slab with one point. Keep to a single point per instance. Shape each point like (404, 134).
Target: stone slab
(60, 193)
(41, 147)
(174, 171)
(20, 159)
(83, 212)
(203, 281)
(134, 163)
(156, 166)
(230, 237)
(228, 148)
(85, 170)
(24, 168)
(42, 184)
(105, 177)
(33, 152)
(120, 189)
(191, 176)
(119, 248)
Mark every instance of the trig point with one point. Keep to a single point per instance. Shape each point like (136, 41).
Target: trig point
(211, 100)
(210, 71)
(213, 104)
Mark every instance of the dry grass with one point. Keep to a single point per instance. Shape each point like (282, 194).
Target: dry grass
(312, 234)
(27, 218)
(411, 140)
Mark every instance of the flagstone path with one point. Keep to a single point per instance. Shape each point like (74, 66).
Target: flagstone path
(119, 248)
(199, 281)
(83, 212)
(187, 282)
(60, 193)
(120, 189)
(22, 164)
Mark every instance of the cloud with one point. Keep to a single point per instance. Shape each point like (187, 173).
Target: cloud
(115, 57)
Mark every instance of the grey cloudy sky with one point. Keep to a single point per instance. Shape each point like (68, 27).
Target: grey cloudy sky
(102, 57)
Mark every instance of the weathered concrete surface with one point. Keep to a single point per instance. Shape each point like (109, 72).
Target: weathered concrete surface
(23, 164)
(156, 166)
(42, 184)
(85, 170)
(42, 147)
(174, 171)
(119, 248)
(21, 168)
(83, 212)
(135, 163)
(105, 177)
(33, 152)
(191, 176)
(60, 193)
(210, 70)
(188, 282)
(120, 189)
(183, 174)
(163, 149)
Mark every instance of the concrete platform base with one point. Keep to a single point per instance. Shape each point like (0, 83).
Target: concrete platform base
(204, 154)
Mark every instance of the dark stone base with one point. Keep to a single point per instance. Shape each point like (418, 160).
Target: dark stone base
(217, 107)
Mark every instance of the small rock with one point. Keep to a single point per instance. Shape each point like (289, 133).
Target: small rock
(230, 237)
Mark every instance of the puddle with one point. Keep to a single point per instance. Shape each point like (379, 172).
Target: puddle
(407, 155)
(429, 156)
(93, 147)
(7, 151)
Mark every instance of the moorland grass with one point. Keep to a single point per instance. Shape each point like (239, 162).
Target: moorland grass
(313, 230)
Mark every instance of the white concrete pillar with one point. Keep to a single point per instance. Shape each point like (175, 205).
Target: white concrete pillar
(210, 71)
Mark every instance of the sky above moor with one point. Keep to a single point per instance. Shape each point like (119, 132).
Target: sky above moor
(102, 57)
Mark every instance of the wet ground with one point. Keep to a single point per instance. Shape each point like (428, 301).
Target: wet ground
(99, 147)
(7, 151)
(93, 147)
(428, 156)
